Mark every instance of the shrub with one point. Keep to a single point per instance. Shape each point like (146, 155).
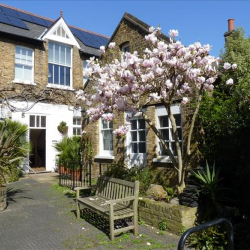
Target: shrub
(163, 225)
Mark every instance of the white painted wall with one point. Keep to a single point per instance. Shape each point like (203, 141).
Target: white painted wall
(54, 115)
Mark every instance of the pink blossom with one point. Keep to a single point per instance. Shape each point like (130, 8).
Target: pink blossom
(121, 131)
(234, 66)
(230, 81)
(173, 33)
(102, 49)
(111, 45)
(108, 116)
(185, 100)
(226, 66)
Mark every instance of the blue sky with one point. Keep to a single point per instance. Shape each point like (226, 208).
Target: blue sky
(204, 21)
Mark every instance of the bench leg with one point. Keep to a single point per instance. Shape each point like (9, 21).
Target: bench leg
(111, 222)
(135, 220)
(77, 209)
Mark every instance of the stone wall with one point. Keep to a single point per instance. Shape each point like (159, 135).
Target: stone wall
(176, 217)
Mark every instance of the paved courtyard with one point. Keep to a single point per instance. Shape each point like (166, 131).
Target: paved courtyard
(40, 216)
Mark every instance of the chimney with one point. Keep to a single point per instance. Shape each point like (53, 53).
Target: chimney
(230, 25)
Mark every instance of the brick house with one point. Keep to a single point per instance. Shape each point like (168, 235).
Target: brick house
(141, 146)
(37, 51)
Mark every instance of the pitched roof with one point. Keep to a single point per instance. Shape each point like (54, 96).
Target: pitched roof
(138, 23)
(24, 24)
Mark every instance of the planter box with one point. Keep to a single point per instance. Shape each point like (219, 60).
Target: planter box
(3, 198)
(176, 216)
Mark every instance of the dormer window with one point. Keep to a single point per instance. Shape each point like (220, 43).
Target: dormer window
(60, 32)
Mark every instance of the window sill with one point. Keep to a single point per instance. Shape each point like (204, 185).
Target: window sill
(163, 159)
(105, 157)
(23, 82)
(55, 86)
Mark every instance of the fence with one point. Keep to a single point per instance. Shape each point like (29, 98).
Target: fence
(73, 174)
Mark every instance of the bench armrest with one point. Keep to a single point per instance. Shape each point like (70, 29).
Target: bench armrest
(77, 189)
(130, 198)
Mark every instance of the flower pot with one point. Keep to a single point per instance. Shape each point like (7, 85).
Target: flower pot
(63, 170)
(3, 197)
(76, 175)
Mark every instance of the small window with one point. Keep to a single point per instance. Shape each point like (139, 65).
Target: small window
(77, 126)
(106, 143)
(60, 62)
(24, 64)
(37, 121)
(138, 136)
(124, 48)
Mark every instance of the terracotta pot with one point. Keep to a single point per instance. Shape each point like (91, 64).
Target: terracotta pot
(76, 175)
(63, 170)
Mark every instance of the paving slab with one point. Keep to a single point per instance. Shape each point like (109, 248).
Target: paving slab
(40, 216)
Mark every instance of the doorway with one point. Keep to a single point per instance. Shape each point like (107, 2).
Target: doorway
(38, 152)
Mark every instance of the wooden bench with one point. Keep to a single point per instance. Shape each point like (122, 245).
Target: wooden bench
(114, 199)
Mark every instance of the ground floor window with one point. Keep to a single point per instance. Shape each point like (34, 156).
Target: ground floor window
(77, 124)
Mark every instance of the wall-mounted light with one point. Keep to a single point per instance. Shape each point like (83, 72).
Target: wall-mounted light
(83, 112)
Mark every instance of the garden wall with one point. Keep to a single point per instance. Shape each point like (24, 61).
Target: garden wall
(177, 217)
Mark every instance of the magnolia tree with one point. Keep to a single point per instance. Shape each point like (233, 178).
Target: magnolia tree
(166, 72)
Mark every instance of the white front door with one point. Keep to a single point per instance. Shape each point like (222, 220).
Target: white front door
(136, 143)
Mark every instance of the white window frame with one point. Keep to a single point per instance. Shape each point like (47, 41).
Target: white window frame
(17, 80)
(103, 152)
(38, 122)
(55, 85)
(77, 126)
(123, 48)
(161, 111)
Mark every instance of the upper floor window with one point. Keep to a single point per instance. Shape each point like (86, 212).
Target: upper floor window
(106, 137)
(60, 32)
(124, 48)
(60, 64)
(24, 64)
(77, 122)
(85, 78)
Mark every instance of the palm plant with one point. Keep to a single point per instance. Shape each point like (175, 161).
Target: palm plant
(14, 147)
(210, 189)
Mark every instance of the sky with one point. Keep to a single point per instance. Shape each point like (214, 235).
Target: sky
(203, 21)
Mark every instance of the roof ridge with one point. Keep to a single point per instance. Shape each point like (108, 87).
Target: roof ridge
(91, 32)
(49, 19)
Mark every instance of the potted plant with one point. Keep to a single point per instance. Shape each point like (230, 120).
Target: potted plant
(69, 157)
(62, 128)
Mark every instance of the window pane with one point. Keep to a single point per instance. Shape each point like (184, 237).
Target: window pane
(107, 140)
(110, 124)
(17, 54)
(76, 131)
(50, 76)
(56, 59)
(32, 121)
(23, 55)
(173, 148)
(142, 136)
(141, 123)
(142, 147)
(68, 56)
(104, 124)
(163, 120)
(38, 121)
(43, 121)
(134, 136)
(165, 134)
(178, 119)
(62, 55)
(134, 148)
(27, 73)
(51, 57)
(180, 133)
(67, 77)
(162, 150)
(62, 75)
(56, 74)
(29, 57)
(63, 32)
(133, 124)
(18, 71)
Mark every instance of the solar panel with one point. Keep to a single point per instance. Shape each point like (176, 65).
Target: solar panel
(4, 19)
(9, 12)
(17, 22)
(39, 21)
(48, 22)
(25, 17)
